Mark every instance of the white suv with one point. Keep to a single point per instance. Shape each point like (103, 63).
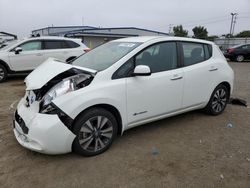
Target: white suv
(122, 84)
(25, 55)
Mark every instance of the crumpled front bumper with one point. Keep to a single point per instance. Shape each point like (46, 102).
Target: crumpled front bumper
(46, 133)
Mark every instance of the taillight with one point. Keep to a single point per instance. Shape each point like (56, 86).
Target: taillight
(86, 50)
(230, 50)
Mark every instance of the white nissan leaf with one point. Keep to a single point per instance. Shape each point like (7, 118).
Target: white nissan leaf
(124, 83)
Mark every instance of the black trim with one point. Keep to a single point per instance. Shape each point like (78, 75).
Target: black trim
(180, 58)
(21, 123)
(65, 119)
(141, 74)
(19, 72)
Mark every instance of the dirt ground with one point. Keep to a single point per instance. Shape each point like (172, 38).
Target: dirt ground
(189, 150)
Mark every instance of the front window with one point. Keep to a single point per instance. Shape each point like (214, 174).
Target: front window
(159, 57)
(105, 55)
(30, 46)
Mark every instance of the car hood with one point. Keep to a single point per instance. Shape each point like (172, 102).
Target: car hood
(47, 71)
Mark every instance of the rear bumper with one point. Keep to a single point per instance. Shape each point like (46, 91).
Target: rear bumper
(229, 56)
(46, 133)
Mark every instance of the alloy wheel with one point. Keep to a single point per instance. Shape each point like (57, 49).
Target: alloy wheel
(240, 58)
(219, 100)
(95, 134)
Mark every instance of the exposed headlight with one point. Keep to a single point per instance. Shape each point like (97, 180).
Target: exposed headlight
(67, 85)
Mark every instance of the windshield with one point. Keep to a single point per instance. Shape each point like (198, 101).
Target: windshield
(105, 55)
(9, 45)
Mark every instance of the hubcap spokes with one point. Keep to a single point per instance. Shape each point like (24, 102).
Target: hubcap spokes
(95, 133)
(1, 74)
(219, 100)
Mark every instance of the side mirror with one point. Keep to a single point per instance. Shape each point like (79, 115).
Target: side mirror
(18, 50)
(142, 70)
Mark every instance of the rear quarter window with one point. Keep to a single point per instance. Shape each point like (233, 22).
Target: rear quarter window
(71, 44)
(194, 53)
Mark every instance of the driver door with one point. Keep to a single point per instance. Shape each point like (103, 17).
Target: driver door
(29, 58)
(161, 92)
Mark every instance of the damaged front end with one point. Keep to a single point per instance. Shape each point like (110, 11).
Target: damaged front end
(65, 82)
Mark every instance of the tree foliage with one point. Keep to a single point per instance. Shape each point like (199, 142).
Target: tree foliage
(179, 31)
(200, 32)
(243, 34)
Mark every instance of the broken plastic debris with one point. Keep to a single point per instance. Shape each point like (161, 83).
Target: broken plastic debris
(200, 141)
(221, 176)
(237, 101)
(229, 125)
(248, 159)
(155, 151)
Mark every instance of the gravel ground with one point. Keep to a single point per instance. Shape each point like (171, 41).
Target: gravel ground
(189, 150)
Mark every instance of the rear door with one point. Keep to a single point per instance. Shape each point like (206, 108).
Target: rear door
(199, 73)
(55, 49)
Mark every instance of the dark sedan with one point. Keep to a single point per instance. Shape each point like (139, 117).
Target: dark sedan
(238, 53)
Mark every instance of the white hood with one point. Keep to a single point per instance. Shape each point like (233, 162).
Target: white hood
(48, 70)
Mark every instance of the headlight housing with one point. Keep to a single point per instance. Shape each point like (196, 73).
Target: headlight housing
(65, 86)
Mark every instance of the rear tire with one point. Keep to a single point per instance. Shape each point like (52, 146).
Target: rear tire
(95, 131)
(3, 73)
(218, 101)
(240, 58)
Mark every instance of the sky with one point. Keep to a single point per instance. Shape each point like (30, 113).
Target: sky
(22, 16)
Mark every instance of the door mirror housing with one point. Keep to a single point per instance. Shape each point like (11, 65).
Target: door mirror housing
(142, 70)
(18, 50)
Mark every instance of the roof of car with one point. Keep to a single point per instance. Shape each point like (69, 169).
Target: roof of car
(52, 37)
(144, 39)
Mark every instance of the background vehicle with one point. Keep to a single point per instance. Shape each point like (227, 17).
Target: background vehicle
(25, 55)
(238, 53)
(117, 86)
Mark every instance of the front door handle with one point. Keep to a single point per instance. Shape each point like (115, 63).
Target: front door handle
(213, 69)
(176, 77)
(39, 54)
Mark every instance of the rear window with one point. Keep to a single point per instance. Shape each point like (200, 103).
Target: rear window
(53, 44)
(195, 52)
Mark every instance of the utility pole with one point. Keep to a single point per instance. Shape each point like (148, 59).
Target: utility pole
(170, 28)
(82, 21)
(231, 26)
(234, 22)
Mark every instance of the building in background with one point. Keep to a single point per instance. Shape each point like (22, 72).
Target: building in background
(57, 31)
(5, 37)
(93, 36)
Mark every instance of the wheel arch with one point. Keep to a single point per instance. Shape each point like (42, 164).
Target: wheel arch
(109, 108)
(5, 65)
(227, 85)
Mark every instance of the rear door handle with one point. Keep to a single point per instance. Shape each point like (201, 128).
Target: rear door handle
(176, 77)
(213, 69)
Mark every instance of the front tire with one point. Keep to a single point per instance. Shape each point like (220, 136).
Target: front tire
(3, 73)
(95, 131)
(218, 100)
